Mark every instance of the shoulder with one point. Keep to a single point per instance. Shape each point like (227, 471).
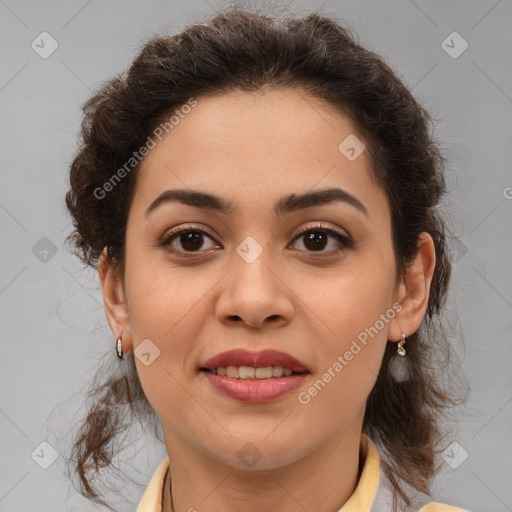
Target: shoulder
(440, 507)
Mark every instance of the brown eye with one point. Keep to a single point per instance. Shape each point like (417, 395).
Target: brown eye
(191, 240)
(317, 238)
(186, 240)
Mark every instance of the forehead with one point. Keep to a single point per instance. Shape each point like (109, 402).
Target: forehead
(252, 147)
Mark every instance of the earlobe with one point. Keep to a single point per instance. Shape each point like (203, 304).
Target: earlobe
(414, 290)
(114, 301)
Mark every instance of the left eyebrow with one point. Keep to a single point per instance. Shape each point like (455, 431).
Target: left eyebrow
(285, 204)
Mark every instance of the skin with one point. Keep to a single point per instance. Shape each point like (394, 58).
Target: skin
(251, 149)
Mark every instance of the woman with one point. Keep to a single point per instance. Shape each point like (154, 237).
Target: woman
(260, 197)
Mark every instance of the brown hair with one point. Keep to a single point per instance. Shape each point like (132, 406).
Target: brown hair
(251, 52)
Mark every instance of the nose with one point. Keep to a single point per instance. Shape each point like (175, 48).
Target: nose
(255, 294)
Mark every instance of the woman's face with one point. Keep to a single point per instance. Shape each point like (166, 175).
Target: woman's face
(251, 282)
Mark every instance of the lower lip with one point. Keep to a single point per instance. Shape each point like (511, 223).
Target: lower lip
(255, 391)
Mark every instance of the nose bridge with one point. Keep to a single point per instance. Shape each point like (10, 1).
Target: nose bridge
(252, 276)
(254, 290)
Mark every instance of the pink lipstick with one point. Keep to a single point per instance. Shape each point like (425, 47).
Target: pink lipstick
(254, 377)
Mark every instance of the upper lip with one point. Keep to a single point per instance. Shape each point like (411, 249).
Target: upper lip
(240, 357)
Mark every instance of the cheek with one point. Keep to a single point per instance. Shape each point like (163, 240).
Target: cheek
(164, 309)
(167, 307)
(351, 345)
(347, 301)
(340, 393)
(352, 312)
(163, 300)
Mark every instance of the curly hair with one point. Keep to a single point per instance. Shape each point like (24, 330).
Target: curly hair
(250, 52)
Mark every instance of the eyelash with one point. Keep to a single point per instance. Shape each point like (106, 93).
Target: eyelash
(166, 241)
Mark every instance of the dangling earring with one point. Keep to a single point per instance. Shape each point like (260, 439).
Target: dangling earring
(119, 348)
(399, 367)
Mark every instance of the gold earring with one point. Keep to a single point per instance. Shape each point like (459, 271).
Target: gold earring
(400, 349)
(119, 348)
(400, 365)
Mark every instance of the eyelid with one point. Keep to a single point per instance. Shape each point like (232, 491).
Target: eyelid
(320, 226)
(176, 231)
(307, 227)
(189, 227)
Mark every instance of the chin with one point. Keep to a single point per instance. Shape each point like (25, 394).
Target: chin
(260, 449)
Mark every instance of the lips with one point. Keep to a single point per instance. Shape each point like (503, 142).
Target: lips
(259, 359)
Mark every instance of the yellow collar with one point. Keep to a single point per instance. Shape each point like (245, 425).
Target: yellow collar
(372, 493)
(366, 488)
(361, 499)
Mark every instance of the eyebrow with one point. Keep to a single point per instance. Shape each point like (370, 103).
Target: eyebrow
(286, 204)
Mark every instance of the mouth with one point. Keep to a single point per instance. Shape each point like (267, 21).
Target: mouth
(243, 364)
(254, 377)
(252, 373)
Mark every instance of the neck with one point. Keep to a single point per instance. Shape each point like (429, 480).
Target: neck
(324, 480)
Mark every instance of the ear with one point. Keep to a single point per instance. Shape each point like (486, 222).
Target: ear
(115, 303)
(414, 290)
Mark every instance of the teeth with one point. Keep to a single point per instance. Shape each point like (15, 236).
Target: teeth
(248, 372)
(263, 373)
(232, 372)
(277, 371)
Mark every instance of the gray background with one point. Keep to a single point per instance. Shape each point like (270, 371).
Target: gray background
(53, 324)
